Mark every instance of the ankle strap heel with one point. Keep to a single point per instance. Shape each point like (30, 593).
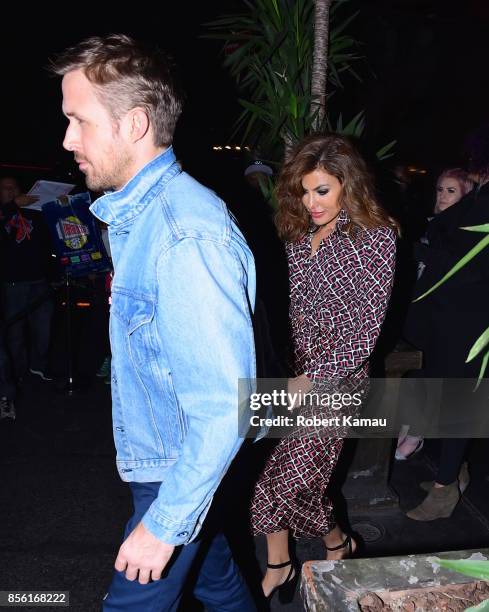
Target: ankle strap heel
(287, 589)
(347, 542)
(279, 565)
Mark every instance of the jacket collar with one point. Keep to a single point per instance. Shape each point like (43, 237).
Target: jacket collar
(120, 207)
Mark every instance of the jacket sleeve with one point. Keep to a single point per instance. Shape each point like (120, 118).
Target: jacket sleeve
(204, 326)
(341, 358)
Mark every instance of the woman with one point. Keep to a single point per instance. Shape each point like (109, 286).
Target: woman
(451, 186)
(445, 325)
(341, 251)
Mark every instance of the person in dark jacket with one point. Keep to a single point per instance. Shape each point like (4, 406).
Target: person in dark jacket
(446, 324)
(451, 185)
(25, 260)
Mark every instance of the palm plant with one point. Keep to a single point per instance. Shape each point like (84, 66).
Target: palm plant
(284, 62)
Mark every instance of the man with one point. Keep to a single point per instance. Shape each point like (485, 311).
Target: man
(25, 265)
(181, 331)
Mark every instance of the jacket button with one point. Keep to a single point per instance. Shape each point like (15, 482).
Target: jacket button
(182, 534)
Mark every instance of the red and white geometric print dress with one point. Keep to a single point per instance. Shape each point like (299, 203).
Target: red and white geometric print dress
(339, 298)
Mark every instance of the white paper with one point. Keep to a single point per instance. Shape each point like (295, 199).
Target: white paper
(47, 191)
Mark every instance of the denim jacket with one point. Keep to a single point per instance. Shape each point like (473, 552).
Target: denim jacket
(181, 335)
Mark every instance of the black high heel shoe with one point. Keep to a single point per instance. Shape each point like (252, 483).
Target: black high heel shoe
(286, 590)
(347, 542)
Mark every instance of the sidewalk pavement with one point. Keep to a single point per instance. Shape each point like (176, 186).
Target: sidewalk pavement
(63, 507)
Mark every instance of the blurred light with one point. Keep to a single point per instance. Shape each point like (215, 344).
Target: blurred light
(415, 170)
(230, 148)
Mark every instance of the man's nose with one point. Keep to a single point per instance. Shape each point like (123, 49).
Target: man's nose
(69, 140)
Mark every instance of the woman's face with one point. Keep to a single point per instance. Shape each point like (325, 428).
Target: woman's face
(448, 192)
(321, 196)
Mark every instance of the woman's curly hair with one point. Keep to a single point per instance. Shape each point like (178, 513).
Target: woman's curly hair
(337, 156)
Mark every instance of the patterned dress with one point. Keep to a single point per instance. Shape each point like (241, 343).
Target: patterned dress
(338, 301)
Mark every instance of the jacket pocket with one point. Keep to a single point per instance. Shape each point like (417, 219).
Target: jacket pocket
(134, 315)
(147, 371)
(174, 406)
(132, 310)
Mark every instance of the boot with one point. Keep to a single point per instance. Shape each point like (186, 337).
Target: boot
(463, 479)
(439, 503)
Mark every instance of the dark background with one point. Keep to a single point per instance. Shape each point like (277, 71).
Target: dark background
(424, 77)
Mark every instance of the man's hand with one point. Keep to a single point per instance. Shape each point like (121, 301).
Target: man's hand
(24, 200)
(142, 552)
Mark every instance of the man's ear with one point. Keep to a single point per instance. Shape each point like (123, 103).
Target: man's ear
(137, 124)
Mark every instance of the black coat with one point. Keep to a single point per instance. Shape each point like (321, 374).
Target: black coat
(446, 324)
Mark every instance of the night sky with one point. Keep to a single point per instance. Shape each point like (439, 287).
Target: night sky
(424, 76)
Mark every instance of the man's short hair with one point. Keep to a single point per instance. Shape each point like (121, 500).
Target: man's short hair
(127, 74)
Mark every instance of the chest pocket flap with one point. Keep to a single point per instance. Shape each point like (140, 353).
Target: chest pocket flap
(132, 309)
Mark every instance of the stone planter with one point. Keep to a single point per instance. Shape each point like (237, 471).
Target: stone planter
(407, 583)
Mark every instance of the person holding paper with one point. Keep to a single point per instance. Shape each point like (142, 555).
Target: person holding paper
(25, 264)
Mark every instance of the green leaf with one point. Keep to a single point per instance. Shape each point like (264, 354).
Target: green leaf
(356, 125)
(468, 567)
(253, 108)
(337, 31)
(386, 150)
(482, 371)
(460, 264)
(478, 228)
(479, 345)
(482, 607)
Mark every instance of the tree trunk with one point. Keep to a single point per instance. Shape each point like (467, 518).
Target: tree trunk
(320, 61)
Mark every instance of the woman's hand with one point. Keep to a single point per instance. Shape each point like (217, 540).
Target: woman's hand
(296, 388)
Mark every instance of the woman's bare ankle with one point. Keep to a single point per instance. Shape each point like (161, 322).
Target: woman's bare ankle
(273, 578)
(343, 543)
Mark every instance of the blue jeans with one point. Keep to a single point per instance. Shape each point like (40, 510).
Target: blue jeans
(205, 565)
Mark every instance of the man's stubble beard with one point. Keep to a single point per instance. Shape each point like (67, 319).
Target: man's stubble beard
(111, 178)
